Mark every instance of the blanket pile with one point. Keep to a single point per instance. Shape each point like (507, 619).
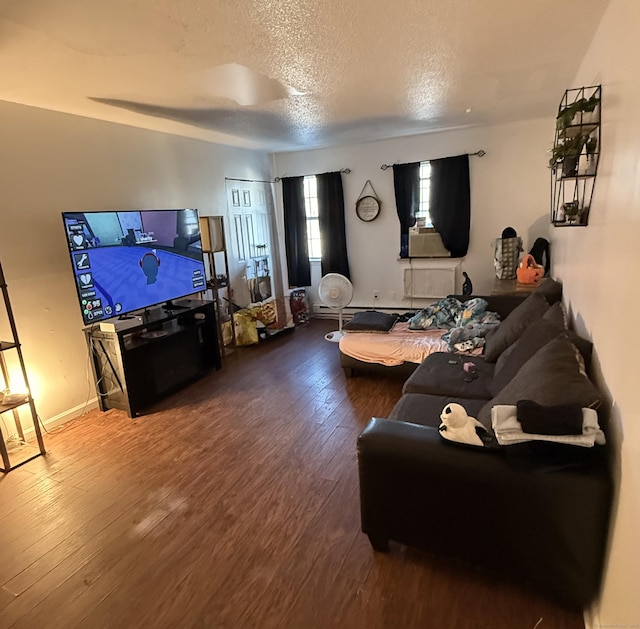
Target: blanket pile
(467, 323)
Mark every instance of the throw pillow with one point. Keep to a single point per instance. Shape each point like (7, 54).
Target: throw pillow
(564, 419)
(550, 290)
(371, 321)
(510, 330)
(550, 377)
(535, 336)
(584, 346)
(556, 315)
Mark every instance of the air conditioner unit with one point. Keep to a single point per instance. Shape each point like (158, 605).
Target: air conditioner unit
(427, 245)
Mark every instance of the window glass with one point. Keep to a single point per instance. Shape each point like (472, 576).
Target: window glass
(425, 189)
(313, 225)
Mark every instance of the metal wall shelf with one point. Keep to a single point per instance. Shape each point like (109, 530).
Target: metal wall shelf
(575, 157)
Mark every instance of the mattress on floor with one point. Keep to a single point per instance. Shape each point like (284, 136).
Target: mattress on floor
(395, 347)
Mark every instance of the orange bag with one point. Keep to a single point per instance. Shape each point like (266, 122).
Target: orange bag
(529, 271)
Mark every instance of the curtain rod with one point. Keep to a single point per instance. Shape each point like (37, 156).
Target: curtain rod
(479, 153)
(248, 180)
(344, 171)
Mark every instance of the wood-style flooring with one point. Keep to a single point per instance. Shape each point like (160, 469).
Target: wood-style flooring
(234, 504)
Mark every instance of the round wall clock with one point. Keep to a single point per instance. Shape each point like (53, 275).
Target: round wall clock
(367, 208)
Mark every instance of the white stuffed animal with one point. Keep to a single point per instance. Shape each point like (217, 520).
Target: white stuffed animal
(458, 426)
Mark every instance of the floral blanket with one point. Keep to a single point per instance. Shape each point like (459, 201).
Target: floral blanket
(467, 323)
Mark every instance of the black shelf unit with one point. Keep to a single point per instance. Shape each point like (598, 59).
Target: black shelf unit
(136, 364)
(214, 243)
(24, 451)
(575, 156)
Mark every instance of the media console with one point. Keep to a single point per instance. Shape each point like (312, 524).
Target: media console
(137, 362)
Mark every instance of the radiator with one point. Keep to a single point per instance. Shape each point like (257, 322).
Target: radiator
(433, 282)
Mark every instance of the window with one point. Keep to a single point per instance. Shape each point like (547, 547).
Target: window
(425, 190)
(446, 182)
(313, 223)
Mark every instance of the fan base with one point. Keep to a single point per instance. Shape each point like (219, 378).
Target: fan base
(334, 337)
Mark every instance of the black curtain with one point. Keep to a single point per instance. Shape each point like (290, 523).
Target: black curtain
(331, 221)
(295, 232)
(450, 202)
(406, 183)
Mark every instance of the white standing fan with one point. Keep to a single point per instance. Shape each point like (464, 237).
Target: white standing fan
(335, 291)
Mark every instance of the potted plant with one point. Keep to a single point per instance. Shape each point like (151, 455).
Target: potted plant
(591, 146)
(566, 115)
(571, 211)
(567, 152)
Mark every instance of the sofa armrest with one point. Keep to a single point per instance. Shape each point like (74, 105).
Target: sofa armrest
(409, 475)
(417, 447)
(419, 490)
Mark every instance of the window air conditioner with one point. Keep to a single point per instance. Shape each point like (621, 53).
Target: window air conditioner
(427, 245)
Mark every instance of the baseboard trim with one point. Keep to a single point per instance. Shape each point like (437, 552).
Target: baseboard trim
(64, 417)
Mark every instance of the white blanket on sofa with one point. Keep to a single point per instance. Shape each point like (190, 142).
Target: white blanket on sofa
(508, 429)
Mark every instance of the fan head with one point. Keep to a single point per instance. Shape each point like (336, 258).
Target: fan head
(335, 290)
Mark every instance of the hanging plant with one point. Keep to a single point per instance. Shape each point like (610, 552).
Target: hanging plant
(568, 113)
(569, 148)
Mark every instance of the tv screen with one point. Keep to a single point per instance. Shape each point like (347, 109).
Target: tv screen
(128, 260)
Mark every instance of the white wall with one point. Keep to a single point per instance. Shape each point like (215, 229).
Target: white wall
(56, 162)
(509, 187)
(598, 267)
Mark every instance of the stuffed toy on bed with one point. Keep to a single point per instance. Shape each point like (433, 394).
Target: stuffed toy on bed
(459, 427)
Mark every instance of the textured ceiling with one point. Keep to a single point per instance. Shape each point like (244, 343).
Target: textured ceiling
(289, 74)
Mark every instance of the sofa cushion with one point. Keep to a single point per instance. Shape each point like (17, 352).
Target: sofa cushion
(556, 315)
(535, 336)
(442, 373)
(550, 290)
(585, 347)
(510, 330)
(418, 408)
(371, 321)
(550, 377)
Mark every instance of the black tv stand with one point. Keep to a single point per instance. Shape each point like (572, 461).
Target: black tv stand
(135, 366)
(170, 306)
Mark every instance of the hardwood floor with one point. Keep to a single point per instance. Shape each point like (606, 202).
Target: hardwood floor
(234, 503)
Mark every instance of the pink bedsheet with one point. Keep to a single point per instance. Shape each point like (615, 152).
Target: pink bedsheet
(398, 346)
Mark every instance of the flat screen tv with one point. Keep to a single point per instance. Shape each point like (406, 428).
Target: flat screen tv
(129, 260)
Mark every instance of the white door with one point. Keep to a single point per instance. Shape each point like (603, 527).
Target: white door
(250, 257)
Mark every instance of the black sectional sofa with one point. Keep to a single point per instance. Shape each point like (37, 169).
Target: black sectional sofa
(538, 511)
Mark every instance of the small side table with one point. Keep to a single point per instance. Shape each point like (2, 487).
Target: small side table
(512, 287)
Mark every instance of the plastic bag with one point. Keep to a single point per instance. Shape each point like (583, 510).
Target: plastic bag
(506, 255)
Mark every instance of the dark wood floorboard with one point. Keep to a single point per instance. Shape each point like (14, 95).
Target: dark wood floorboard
(232, 504)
